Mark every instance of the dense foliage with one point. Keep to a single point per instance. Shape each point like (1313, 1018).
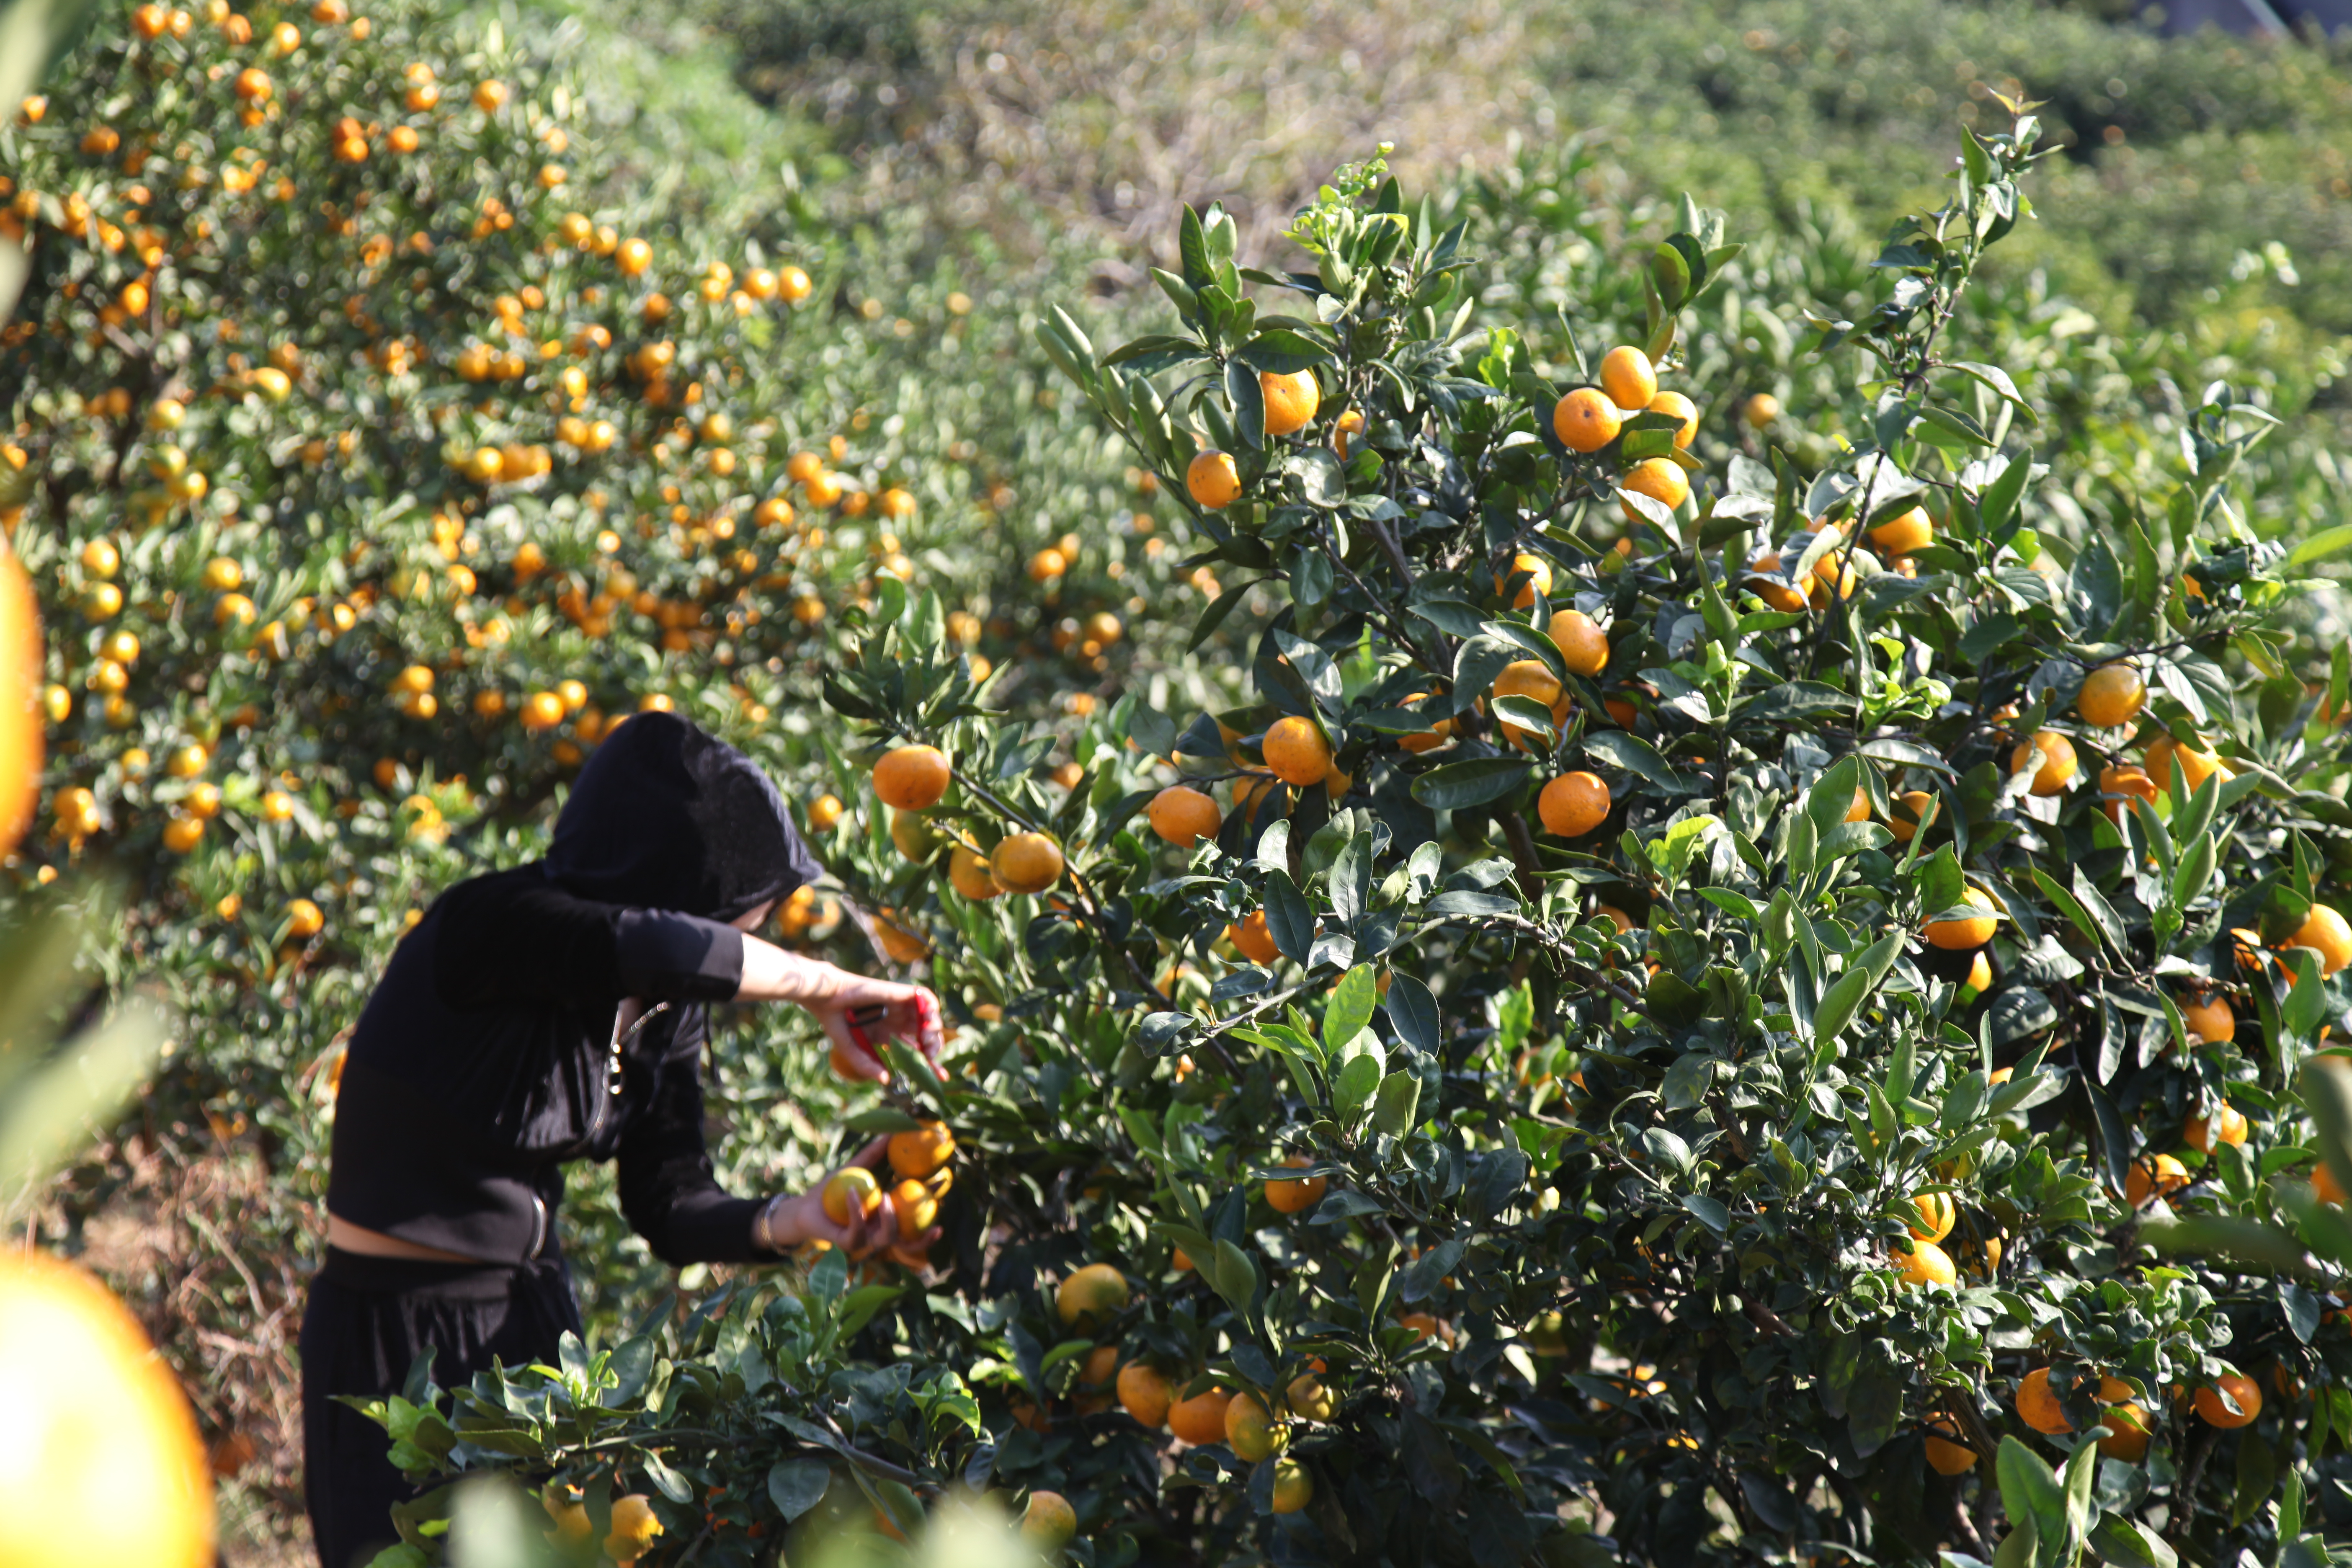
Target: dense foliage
(1586, 1198)
(348, 640)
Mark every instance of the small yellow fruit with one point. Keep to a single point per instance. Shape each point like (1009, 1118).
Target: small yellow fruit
(1090, 1296)
(854, 1187)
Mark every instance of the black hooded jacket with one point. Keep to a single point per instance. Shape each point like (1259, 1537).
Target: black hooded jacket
(484, 1060)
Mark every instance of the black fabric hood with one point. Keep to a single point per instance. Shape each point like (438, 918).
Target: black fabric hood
(665, 816)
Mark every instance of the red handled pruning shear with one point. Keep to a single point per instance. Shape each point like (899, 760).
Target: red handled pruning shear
(861, 1019)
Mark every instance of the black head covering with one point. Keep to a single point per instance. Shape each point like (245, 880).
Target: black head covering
(665, 816)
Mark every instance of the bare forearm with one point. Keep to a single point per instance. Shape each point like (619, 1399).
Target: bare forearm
(772, 973)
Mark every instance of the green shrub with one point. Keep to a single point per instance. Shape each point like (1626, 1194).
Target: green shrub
(1616, 1248)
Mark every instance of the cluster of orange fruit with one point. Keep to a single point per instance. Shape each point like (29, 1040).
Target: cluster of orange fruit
(2234, 1399)
(920, 1160)
(1088, 1298)
(910, 780)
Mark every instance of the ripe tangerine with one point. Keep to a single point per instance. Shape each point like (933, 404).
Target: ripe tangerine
(1296, 752)
(1573, 805)
(1290, 400)
(911, 778)
(1184, 816)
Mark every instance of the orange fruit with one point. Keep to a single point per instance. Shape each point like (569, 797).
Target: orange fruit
(1090, 1295)
(1775, 594)
(1290, 400)
(1293, 1196)
(1628, 377)
(1101, 1366)
(1049, 1522)
(923, 1152)
(1911, 808)
(1351, 423)
(1924, 1264)
(1439, 732)
(1957, 935)
(969, 874)
(2224, 1125)
(916, 1205)
(1308, 1399)
(1682, 408)
(2324, 1186)
(2112, 694)
(2127, 1422)
(1534, 575)
(2051, 755)
(1936, 1216)
(2325, 933)
(1145, 1393)
(1660, 478)
(1761, 410)
(1585, 420)
(2195, 766)
(824, 812)
(304, 919)
(911, 778)
(1026, 863)
(1213, 481)
(853, 1188)
(1427, 1326)
(1184, 816)
(1296, 752)
(1532, 678)
(1981, 980)
(1860, 810)
(1201, 1418)
(2121, 784)
(2158, 1175)
(106, 1470)
(2208, 1019)
(1583, 647)
(1901, 535)
(21, 726)
(1949, 1457)
(1294, 1488)
(2241, 1388)
(1255, 941)
(1573, 805)
(1251, 1432)
(2038, 1406)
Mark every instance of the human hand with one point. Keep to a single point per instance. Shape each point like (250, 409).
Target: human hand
(880, 1009)
(801, 1218)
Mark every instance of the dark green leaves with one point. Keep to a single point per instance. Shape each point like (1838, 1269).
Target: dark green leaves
(1475, 782)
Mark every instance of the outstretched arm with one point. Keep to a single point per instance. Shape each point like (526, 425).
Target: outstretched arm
(772, 973)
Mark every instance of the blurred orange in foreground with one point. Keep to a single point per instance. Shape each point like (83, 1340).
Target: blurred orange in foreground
(100, 1462)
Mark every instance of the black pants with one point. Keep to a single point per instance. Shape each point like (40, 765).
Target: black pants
(367, 1320)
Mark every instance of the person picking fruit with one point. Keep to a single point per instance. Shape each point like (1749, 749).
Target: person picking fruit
(546, 1014)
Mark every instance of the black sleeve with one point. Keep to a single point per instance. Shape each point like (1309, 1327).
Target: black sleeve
(515, 938)
(668, 1191)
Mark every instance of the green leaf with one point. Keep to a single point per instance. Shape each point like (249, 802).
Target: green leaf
(1623, 749)
(2030, 1493)
(1399, 1098)
(1862, 977)
(1352, 1001)
(1475, 782)
(1289, 920)
(2128, 1543)
(2326, 543)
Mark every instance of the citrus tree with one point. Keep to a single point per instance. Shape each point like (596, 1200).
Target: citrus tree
(386, 419)
(1672, 1027)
